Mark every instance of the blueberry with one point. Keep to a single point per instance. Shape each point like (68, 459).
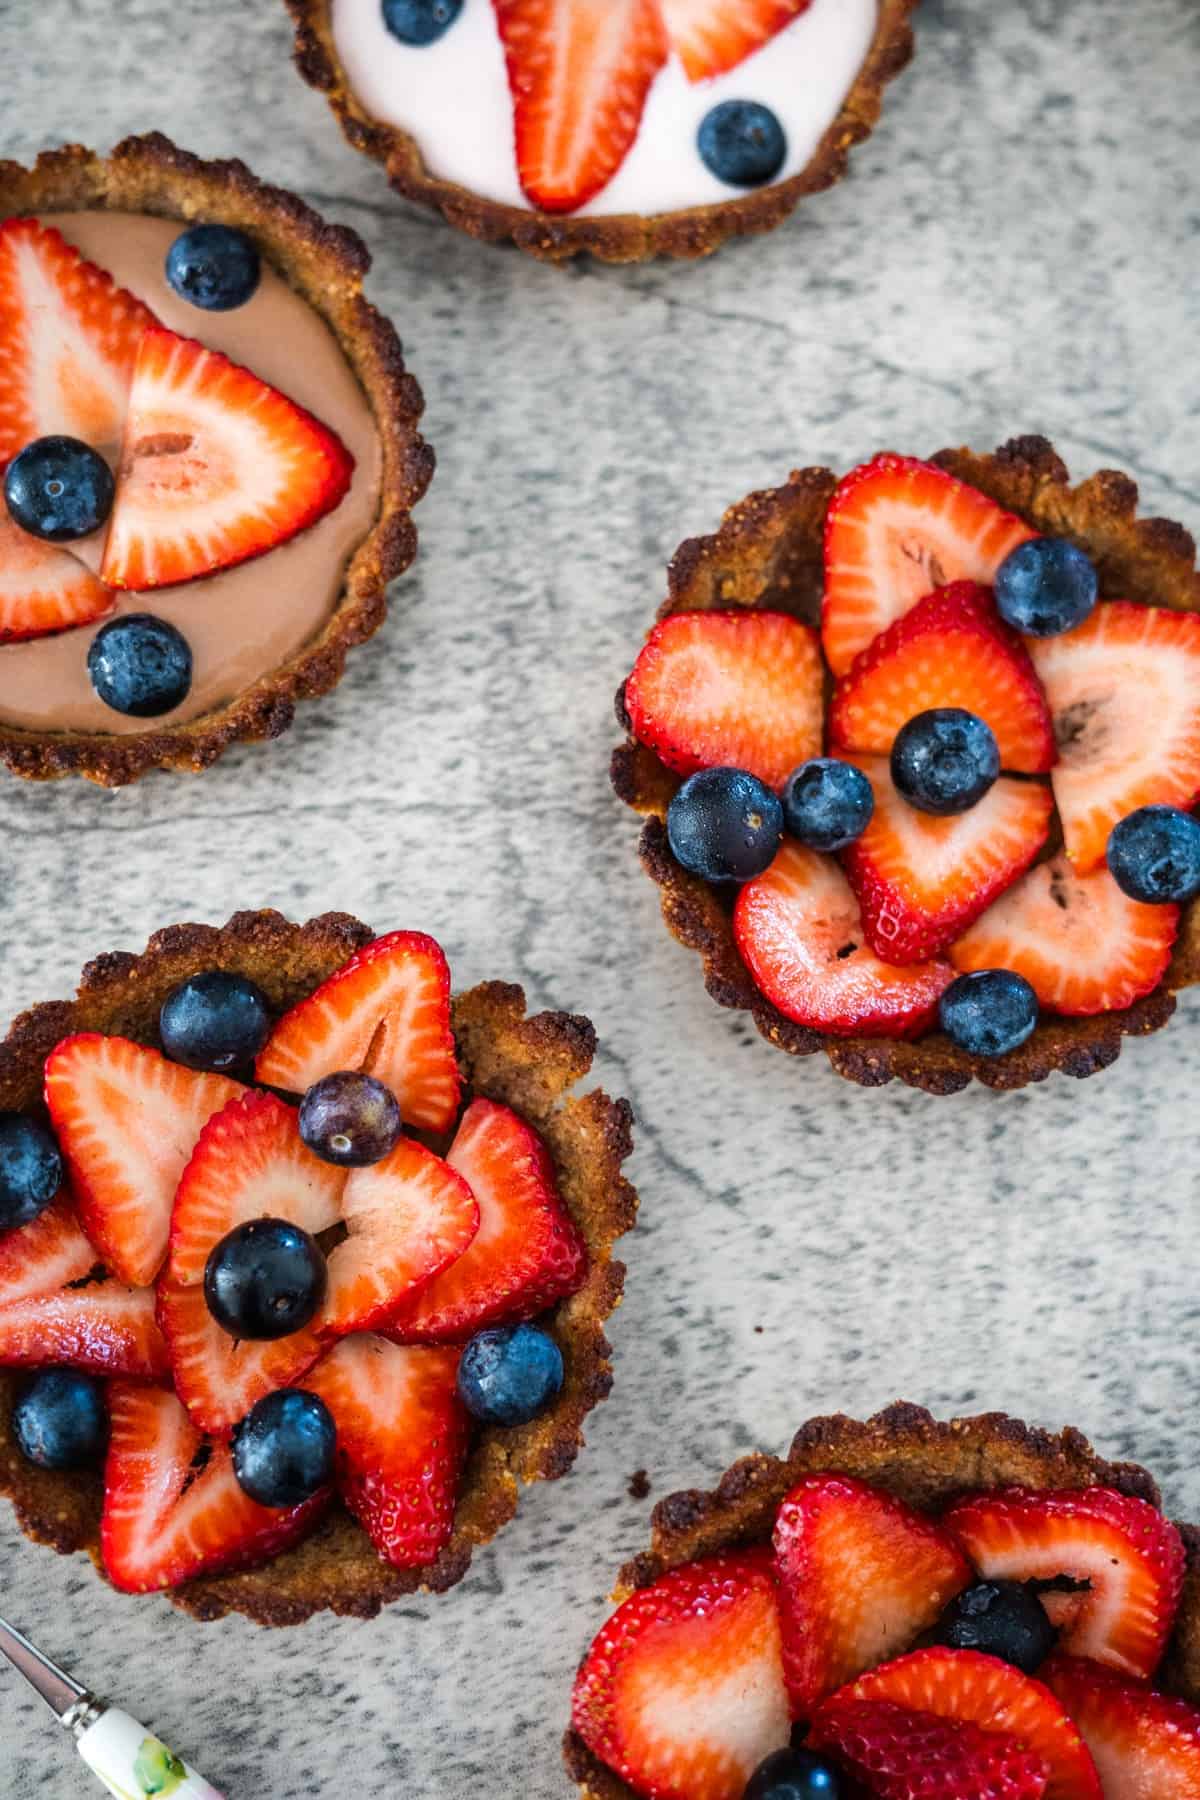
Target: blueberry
(743, 143)
(509, 1374)
(945, 760)
(214, 267)
(827, 804)
(264, 1279)
(420, 21)
(989, 1012)
(1154, 854)
(30, 1170)
(793, 1775)
(284, 1449)
(214, 1021)
(1046, 586)
(349, 1119)
(59, 1420)
(140, 665)
(1000, 1618)
(725, 825)
(58, 488)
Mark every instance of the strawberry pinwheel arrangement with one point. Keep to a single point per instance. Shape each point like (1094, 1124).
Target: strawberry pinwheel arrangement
(901, 1610)
(301, 1256)
(921, 748)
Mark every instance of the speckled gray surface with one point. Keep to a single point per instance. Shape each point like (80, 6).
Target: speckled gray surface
(1017, 251)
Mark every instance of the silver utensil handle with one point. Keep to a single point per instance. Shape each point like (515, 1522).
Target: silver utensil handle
(134, 1765)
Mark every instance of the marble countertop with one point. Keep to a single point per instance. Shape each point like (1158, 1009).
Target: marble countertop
(1016, 251)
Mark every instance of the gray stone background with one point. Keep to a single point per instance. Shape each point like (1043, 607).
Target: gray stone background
(1016, 251)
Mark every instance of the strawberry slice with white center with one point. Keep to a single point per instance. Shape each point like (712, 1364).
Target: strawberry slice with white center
(710, 37)
(173, 1507)
(402, 1437)
(127, 1121)
(1146, 1746)
(952, 649)
(43, 587)
(386, 1010)
(1124, 692)
(860, 1577)
(69, 338)
(743, 690)
(1083, 945)
(527, 1253)
(580, 71)
(215, 467)
(921, 880)
(897, 529)
(801, 935)
(899, 1755)
(682, 1691)
(1129, 1556)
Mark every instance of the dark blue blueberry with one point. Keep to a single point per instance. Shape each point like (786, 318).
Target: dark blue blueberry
(264, 1279)
(725, 825)
(58, 488)
(743, 143)
(989, 1012)
(827, 804)
(140, 665)
(420, 21)
(350, 1119)
(59, 1420)
(285, 1447)
(1000, 1618)
(509, 1374)
(214, 1021)
(1046, 586)
(793, 1775)
(1154, 855)
(214, 267)
(30, 1170)
(945, 760)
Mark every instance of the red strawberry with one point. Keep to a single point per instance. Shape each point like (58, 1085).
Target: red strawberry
(897, 529)
(580, 71)
(1124, 691)
(1083, 945)
(952, 649)
(801, 936)
(216, 467)
(1146, 1746)
(901, 1755)
(173, 1508)
(68, 341)
(527, 1252)
(127, 1121)
(1130, 1556)
(743, 689)
(45, 1255)
(710, 37)
(402, 1441)
(682, 1692)
(42, 586)
(386, 1010)
(920, 880)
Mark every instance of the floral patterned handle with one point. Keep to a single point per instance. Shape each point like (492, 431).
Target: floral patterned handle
(134, 1765)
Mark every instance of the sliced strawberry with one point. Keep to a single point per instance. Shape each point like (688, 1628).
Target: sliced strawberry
(920, 880)
(386, 1010)
(1131, 1558)
(580, 71)
(127, 1121)
(739, 689)
(1083, 945)
(1124, 692)
(710, 37)
(682, 1692)
(860, 1577)
(801, 936)
(43, 587)
(901, 1755)
(527, 1253)
(409, 1218)
(69, 338)
(897, 529)
(216, 467)
(952, 649)
(1146, 1746)
(45, 1255)
(402, 1437)
(173, 1508)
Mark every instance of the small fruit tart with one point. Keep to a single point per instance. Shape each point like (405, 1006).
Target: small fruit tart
(625, 128)
(304, 1265)
(902, 1610)
(208, 459)
(919, 750)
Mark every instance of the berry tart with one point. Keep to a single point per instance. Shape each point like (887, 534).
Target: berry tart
(626, 128)
(208, 458)
(902, 1610)
(919, 749)
(304, 1265)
